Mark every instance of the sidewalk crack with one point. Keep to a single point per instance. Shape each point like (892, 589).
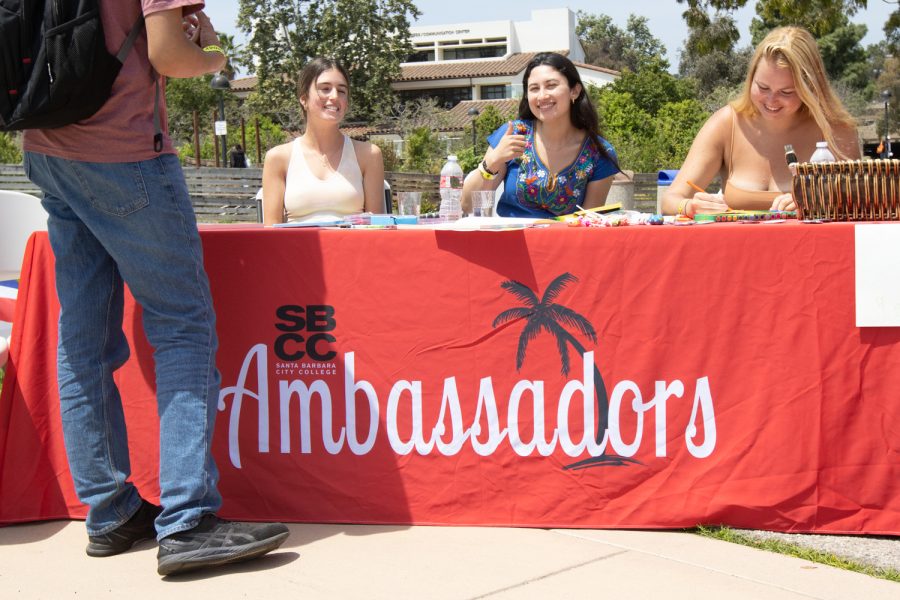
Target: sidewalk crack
(550, 574)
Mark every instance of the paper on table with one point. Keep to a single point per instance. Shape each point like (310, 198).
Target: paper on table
(487, 223)
(877, 269)
(324, 222)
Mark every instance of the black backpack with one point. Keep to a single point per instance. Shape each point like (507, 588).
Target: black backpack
(54, 66)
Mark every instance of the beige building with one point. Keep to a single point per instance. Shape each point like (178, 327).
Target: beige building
(466, 66)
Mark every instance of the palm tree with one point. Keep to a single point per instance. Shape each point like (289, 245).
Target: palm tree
(545, 315)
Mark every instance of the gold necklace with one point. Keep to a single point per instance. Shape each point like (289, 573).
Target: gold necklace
(323, 157)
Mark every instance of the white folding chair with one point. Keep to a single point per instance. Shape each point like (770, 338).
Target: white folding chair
(497, 193)
(388, 202)
(20, 216)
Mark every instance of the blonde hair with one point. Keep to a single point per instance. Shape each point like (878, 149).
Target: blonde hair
(796, 49)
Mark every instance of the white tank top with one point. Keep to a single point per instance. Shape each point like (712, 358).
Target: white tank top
(308, 198)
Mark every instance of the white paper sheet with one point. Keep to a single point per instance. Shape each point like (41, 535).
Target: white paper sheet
(878, 275)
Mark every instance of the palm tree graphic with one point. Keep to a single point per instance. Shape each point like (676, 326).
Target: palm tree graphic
(544, 315)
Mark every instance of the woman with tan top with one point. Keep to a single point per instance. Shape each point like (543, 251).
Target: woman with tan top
(323, 174)
(786, 100)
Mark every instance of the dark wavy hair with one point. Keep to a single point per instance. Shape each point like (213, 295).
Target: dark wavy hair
(583, 113)
(310, 74)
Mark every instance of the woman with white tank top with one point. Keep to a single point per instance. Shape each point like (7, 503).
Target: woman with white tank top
(323, 174)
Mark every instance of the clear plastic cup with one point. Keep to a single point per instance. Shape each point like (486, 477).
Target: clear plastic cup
(483, 204)
(409, 203)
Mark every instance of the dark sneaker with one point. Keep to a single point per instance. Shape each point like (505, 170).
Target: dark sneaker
(138, 527)
(215, 542)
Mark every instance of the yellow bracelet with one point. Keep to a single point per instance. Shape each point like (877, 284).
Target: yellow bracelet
(682, 205)
(484, 172)
(214, 48)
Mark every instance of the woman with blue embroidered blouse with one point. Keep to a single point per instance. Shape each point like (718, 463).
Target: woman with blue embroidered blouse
(551, 159)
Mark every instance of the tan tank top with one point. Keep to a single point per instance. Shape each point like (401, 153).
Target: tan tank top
(739, 198)
(308, 198)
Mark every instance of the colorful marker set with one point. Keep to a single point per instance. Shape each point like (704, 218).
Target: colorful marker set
(734, 216)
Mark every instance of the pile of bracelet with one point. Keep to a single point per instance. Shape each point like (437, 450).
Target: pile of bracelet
(747, 215)
(615, 219)
(594, 220)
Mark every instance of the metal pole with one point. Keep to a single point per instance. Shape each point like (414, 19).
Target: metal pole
(258, 144)
(887, 127)
(215, 137)
(196, 139)
(473, 112)
(224, 137)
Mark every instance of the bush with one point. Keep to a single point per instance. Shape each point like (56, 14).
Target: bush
(424, 151)
(10, 152)
(392, 160)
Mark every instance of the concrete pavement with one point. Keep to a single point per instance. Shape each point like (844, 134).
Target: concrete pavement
(47, 560)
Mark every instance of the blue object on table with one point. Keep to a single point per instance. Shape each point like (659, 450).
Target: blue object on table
(666, 176)
(381, 220)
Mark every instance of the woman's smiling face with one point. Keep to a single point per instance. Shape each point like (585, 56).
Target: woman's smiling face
(773, 91)
(328, 96)
(549, 94)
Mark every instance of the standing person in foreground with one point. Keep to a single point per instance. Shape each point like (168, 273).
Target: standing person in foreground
(119, 210)
(322, 174)
(552, 159)
(786, 100)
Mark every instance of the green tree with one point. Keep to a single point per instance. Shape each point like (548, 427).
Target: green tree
(184, 96)
(846, 61)
(607, 45)
(235, 54)
(270, 133)
(423, 151)
(10, 152)
(650, 117)
(392, 159)
(709, 57)
(675, 127)
(892, 32)
(485, 124)
(370, 37)
(819, 16)
(652, 86)
(628, 127)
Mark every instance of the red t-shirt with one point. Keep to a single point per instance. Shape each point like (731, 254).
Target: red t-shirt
(122, 130)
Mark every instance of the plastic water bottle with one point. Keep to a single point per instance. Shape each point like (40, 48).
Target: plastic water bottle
(451, 189)
(822, 153)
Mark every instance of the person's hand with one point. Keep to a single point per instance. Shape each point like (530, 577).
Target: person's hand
(510, 146)
(191, 27)
(208, 36)
(784, 202)
(704, 203)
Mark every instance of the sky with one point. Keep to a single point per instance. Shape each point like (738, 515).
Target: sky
(664, 16)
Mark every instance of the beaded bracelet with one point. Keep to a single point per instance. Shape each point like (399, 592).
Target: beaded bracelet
(682, 206)
(214, 48)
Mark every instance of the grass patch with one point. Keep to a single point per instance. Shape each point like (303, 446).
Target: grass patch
(799, 551)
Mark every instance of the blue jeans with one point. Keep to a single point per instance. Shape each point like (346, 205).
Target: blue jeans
(111, 222)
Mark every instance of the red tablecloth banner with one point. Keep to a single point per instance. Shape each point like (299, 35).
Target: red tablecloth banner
(633, 377)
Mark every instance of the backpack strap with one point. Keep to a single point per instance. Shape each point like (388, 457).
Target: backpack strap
(121, 55)
(125, 48)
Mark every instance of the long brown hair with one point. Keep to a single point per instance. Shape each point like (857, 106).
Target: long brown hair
(310, 74)
(796, 49)
(583, 115)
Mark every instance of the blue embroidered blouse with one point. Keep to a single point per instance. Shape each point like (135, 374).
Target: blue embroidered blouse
(525, 187)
